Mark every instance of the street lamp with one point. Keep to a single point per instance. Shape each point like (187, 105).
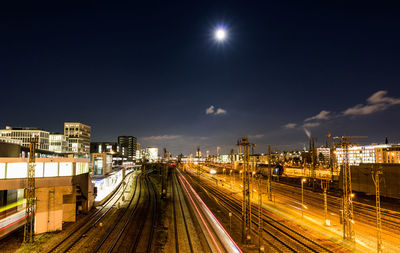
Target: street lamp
(302, 196)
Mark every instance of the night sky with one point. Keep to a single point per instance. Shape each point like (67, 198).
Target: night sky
(152, 69)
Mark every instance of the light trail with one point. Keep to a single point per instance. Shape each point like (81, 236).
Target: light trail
(202, 219)
(218, 228)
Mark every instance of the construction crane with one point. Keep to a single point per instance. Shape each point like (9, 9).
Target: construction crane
(29, 229)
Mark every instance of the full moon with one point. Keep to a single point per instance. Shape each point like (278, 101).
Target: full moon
(220, 34)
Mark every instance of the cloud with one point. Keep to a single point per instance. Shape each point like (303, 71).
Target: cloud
(375, 103)
(290, 125)
(378, 101)
(379, 97)
(257, 136)
(311, 124)
(161, 137)
(220, 111)
(323, 115)
(210, 110)
(361, 109)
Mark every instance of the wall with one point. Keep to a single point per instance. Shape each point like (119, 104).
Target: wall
(9, 150)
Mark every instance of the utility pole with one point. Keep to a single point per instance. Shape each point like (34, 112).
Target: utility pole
(376, 179)
(164, 175)
(330, 152)
(313, 162)
(348, 215)
(29, 229)
(260, 221)
(246, 204)
(324, 186)
(232, 158)
(269, 175)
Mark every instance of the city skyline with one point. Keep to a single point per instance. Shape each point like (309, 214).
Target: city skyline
(285, 69)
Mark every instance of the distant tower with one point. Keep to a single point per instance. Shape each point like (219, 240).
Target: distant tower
(198, 152)
(386, 141)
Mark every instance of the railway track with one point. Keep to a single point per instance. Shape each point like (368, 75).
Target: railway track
(136, 234)
(79, 232)
(183, 240)
(363, 212)
(285, 238)
(131, 209)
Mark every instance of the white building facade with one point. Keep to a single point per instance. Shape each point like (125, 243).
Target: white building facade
(78, 137)
(58, 143)
(25, 134)
(359, 154)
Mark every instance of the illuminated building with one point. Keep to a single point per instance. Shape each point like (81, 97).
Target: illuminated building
(360, 154)
(11, 168)
(326, 152)
(152, 154)
(58, 143)
(139, 154)
(105, 147)
(24, 134)
(111, 148)
(388, 154)
(101, 163)
(128, 146)
(78, 137)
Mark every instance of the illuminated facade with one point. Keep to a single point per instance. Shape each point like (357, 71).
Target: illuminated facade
(152, 154)
(360, 154)
(101, 163)
(58, 143)
(105, 147)
(44, 167)
(78, 137)
(388, 154)
(326, 153)
(24, 134)
(139, 154)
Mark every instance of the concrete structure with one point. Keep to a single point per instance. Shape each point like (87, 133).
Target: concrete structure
(9, 149)
(24, 134)
(361, 179)
(78, 137)
(58, 143)
(128, 145)
(63, 187)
